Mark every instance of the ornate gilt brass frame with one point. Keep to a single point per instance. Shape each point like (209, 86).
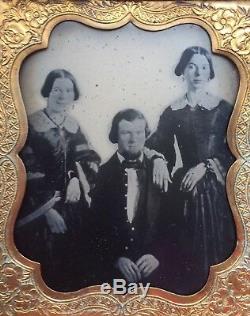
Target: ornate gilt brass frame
(25, 27)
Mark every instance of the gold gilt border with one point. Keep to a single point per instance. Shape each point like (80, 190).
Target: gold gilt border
(25, 26)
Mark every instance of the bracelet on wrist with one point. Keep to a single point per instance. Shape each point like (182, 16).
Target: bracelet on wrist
(157, 156)
(71, 174)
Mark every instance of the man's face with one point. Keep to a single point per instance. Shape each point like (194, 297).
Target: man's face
(131, 138)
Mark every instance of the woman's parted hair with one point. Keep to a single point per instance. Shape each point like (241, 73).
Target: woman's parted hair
(188, 54)
(52, 76)
(128, 115)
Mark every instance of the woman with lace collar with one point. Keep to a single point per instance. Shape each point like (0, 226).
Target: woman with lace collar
(199, 219)
(61, 168)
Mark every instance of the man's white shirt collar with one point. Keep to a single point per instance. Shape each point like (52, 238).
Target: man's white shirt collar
(121, 158)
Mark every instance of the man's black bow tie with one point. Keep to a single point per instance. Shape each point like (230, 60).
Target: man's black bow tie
(135, 164)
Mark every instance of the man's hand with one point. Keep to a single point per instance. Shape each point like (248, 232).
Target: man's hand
(147, 264)
(56, 222)
(192, 177)
(128, 269)
(161, 175)
(73, 192)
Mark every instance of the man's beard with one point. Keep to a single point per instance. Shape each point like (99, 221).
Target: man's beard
(131, 156)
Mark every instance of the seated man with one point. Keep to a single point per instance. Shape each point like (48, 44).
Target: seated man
(127, 203)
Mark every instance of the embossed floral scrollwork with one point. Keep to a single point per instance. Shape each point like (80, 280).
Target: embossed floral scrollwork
(241, 41)
(222, 304)
(36, 17)
(224, 21)
(239, 281)
(232, 25)
(4, 7)
(15, 34)
(26, 299)
(10, 279)
(103, 3)
(2, 257)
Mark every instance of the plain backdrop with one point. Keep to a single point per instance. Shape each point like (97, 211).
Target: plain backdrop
(117, 69)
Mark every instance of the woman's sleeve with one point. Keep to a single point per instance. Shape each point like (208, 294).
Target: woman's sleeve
(162, 140)
(83, 157)
(83, 151)
(37, 191)
(223, 152)
(28, 154)
(221, 157)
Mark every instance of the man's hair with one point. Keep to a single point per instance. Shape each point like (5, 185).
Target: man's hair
(128, 115)
(55, 74)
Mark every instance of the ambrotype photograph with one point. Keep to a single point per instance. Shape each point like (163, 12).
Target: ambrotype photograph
(126, 158)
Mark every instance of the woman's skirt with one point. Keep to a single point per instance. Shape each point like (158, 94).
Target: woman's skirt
(204, 231)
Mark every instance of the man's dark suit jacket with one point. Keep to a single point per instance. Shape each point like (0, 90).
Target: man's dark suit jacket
(116, 236)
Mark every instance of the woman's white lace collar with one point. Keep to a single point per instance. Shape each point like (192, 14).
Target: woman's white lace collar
(41, 123)
(207, 101)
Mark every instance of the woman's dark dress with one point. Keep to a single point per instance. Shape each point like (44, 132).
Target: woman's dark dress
(51, 153)
(199, 224)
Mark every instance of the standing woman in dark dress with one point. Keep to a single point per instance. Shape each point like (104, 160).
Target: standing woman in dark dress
(199, 218)
(53, 224)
